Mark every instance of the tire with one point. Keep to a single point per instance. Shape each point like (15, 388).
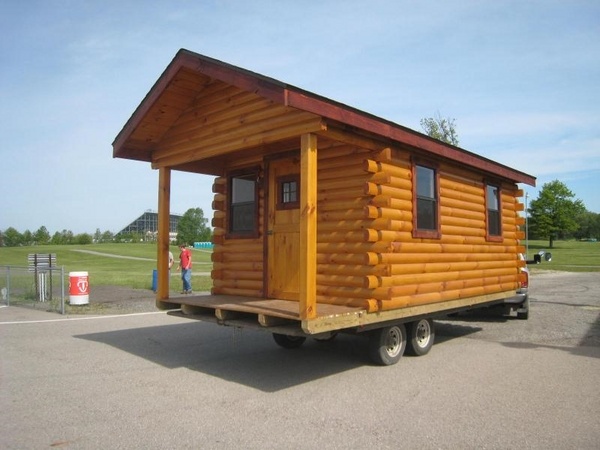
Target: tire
(387, 345)
(421, 335)
(286, 341)
(329, 338)
(523, 312)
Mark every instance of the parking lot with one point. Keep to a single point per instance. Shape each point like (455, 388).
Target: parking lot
(156, 381)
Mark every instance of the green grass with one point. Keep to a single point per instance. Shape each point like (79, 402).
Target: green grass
(570, 256)
(107, 270)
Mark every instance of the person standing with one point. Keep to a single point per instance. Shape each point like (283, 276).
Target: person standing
(185, 264)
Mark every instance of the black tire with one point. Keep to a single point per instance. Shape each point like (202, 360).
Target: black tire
(421, 334)
(329, 338)
(286, 341)
(524, 313)
(387, 345)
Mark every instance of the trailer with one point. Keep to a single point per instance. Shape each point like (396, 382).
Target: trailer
(327, 219)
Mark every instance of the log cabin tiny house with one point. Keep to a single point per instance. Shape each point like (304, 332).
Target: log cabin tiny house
(325, 217)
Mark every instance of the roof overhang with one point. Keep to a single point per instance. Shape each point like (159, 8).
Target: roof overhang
(289, 96)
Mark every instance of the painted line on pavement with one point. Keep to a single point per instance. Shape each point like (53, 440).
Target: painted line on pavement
(73, 318)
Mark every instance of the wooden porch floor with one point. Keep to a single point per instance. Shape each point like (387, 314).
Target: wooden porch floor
(257, 312)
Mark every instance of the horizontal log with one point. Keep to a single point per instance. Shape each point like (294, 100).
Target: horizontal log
(457, 285)
(198, 150)
(342, 215)
(350, 258)
(343, 204)
(471, 188)
(462, 196)
(219, 206)
(355, 270)
(461, 231)
(337, 167)
(341, 280)
(365, 235)
(451, 266)
(332, 195)
(221, 290)
(390, 169)
(229, 274)
(410, 279)
(461, 204)
(462, 222)
(462, 214)
(348, 292)
(218, 222)
(433, 247)
(344, 301)
(400, 195)
(226, 257)
(255, 266)
(252, 113)
(353, 139)
(355, 247)
(341, 183)
(255, 285)
(343, 152)
(398, 261)
(375, 212)
(228, 121)
(353, 225)
(399, 183)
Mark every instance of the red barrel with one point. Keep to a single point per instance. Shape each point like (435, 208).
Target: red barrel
(79, 288)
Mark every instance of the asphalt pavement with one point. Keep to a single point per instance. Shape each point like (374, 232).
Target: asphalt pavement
(155, 381)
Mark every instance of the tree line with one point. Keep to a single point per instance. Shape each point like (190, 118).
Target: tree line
(192, 227)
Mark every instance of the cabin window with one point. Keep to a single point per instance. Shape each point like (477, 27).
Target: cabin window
(426, 202)
(493, 207)
(243, 218)
(288, 195)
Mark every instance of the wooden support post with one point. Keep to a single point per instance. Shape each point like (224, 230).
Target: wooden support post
(308, 227)
(164, 211)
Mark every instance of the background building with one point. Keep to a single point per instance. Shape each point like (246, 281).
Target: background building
(146, 225)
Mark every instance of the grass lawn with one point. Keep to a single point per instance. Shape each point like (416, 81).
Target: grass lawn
(570, 256)
(106, 268)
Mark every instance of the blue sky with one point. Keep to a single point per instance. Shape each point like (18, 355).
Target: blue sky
(520, 78)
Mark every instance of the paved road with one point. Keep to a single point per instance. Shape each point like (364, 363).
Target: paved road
(154, 381)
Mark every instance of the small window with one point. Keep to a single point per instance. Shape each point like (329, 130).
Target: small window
(243, 219)
(493, 206)
(425, 203)
(287, 192)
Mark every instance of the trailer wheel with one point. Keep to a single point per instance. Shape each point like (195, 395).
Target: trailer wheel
(523, 311)
(386, 345)
(287, 341)
(421, 335)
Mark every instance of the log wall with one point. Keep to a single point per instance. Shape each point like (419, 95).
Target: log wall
(366, 250)
(366, 253)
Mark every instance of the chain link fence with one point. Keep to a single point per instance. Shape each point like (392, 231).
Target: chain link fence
(27, 287)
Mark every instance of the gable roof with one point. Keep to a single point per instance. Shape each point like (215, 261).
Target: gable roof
(189, 73)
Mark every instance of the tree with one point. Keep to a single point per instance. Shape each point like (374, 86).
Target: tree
(554, 213)
(41, 236)
(589, 226)
(12, 238)
(192, 227)
(443, 129)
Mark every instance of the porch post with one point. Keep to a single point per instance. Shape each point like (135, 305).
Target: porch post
(308, 227)
(164, 212)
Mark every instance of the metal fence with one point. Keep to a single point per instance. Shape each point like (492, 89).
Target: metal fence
(27, 287)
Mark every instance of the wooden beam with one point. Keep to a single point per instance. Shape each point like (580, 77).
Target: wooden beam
(164, 207)
(308, 226)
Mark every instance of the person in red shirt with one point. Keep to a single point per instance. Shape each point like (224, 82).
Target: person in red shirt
(185, 265)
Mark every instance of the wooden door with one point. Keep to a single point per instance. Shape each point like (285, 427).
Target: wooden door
(283, 232)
